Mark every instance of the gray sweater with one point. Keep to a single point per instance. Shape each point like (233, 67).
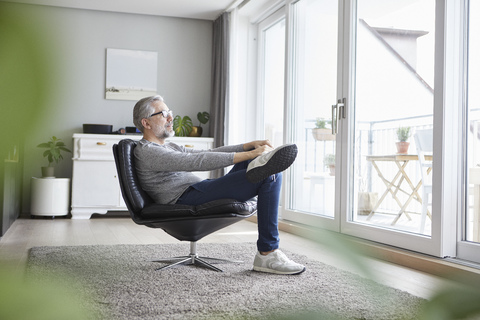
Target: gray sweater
(165, 171)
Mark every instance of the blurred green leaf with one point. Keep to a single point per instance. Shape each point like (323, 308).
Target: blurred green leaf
(182, 126)
(459, 302)
(40, 299)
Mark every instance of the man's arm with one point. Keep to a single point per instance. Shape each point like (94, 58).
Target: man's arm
(171, 157)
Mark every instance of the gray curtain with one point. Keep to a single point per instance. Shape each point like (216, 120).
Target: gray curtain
(220, 73)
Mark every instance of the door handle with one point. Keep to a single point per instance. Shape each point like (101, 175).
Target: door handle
(338, 112)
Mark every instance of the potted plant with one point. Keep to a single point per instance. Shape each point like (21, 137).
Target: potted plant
(329, 162)
(182, 126)
(322, 130)
(53, 154)
(403, 133)
(203, 118)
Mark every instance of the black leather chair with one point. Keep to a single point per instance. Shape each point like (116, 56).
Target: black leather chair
(184, 222)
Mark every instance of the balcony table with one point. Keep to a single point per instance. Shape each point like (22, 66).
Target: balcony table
(394, 185)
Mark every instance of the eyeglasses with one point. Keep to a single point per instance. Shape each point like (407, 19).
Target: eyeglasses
(164, 113)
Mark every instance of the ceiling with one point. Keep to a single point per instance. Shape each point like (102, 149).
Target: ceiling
(194, 9)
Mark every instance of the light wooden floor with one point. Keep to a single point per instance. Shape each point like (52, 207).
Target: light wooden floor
(27, 233)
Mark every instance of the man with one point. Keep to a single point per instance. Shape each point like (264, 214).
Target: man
(165, 173)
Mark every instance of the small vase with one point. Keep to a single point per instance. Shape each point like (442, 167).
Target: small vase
(196, 132)
(402, 147)
(48, 172)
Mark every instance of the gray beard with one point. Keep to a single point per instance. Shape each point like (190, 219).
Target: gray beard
(167, 134)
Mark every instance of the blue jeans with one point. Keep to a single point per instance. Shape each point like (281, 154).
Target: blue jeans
(234, 185)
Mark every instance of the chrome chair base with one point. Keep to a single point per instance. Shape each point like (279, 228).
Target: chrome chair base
(194, 259)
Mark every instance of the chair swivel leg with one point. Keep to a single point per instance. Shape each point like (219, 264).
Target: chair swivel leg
(194, 259)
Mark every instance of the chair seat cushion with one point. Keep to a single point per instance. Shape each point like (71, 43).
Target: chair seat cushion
(217, 207)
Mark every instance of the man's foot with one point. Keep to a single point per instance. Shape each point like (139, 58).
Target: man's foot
(276, 262)
(272, 162)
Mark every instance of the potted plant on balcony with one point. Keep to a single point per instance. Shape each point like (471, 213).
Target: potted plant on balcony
(403, 133)
(203, 118)
(322, 130)
(53, 154)
(182, 126)
(329, 162)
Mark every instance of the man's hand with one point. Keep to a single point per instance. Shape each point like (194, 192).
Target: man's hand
(252, 150)
(260, 150)
(256, 144)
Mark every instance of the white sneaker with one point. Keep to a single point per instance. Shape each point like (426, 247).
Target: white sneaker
(271, 162)
(276, 262)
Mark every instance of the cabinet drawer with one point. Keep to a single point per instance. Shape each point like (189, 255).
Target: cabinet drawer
(94, 148)
(99, 147)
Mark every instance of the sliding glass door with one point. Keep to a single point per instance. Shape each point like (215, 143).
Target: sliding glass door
(364, 70)
(393, 109)
(311, 88)
(368, 100)
(389, 127)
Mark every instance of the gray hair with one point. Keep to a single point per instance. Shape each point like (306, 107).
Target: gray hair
(143, 109)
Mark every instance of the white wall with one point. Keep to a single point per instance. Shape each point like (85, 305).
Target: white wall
(77, 41)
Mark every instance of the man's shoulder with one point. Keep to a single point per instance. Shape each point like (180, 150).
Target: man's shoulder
(148, 146)
(145, 146)
(142, 145)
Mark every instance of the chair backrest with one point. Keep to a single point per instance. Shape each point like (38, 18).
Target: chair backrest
(135, 197)
(424, 145)
(424, 140)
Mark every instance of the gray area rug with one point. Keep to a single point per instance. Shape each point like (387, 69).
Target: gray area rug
(122, 283)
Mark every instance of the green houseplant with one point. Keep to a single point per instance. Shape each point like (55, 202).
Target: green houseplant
(182, 126)
(203, 118)
(321, 123)
(322, 130)
(403, 133)
(329, 162)
(53, 153)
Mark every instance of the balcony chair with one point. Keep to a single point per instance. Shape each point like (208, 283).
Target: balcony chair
(183, 222)
(424, 145)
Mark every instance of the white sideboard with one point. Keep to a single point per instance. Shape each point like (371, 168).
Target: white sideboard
(95, 187)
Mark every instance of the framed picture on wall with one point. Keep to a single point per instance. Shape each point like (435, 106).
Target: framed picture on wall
(130, 74)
